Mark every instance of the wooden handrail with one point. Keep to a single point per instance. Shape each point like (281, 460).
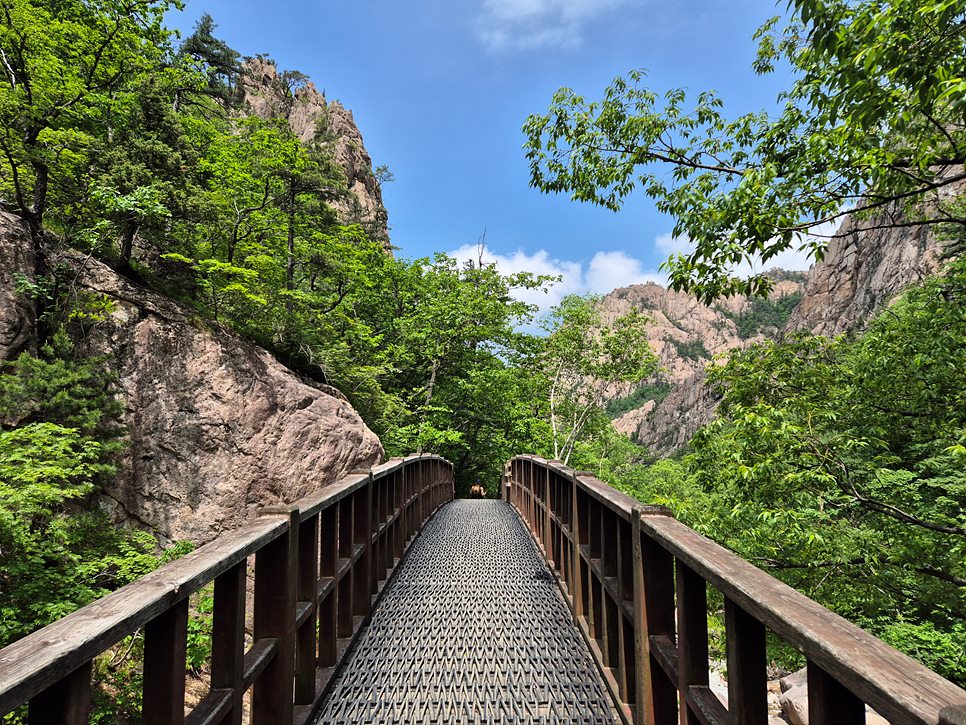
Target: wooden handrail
(636, 580)
(319, 564)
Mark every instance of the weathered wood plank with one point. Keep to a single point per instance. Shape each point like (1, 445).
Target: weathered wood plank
(43, 658)
(895, 685)
(214, 709)
(257, 658)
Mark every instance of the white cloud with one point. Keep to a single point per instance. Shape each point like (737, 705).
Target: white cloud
(606, 271)
(508, 25)
(793, 258)
(610, 270)
(669, 244)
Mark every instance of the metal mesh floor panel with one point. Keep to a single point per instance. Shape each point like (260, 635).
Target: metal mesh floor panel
(472, 629)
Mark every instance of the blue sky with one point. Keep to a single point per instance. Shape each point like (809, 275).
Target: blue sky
(440, 90)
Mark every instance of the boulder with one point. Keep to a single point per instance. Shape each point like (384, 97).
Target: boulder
(794, 702)
(217, 427)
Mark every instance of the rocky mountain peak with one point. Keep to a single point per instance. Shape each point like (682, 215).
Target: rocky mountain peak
(686, 334)
(270, 93)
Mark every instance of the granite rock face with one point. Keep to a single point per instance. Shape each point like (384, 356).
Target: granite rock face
(685, 334)
(866, 265)
(313, 118)
(16, 309)
(217, 427)
(861, 272)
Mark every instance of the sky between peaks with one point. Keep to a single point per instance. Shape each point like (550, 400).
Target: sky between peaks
(441, 88)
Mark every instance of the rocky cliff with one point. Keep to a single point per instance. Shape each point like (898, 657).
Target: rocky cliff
(16, 268)
(216, 427)
(863, 270)
(685, 334)
(270, 94)
(866, 265)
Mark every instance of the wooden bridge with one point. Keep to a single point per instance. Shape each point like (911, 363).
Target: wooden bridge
(381, 600)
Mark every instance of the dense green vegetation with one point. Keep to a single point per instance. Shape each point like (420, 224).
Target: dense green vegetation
(839, 465)
(656, 391)
(835, 464)
(763, 314)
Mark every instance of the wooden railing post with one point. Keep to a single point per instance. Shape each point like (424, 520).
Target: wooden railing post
(344, 605)
(329, 569)
(228, 639)
(829, 703)
(165, 647)
(692, 638)
(643, 686)
(747, 681)
(66, 702)
(276, 570)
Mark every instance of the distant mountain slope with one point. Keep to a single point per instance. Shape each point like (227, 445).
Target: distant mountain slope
(685, 334)
(862, 271)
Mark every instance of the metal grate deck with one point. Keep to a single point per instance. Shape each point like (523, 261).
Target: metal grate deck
(472, 629)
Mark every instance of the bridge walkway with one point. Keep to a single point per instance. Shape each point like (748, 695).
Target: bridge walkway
(471, 629)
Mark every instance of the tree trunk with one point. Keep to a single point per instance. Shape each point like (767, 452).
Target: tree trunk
(290, 266)
(129, 229)
(429, 399)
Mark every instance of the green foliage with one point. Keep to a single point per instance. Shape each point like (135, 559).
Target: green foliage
(56, 552)
(764, 314)
(836, 465)
(874, 118)
(199, 630)
(68, 66)
(691, 349)
(656, 391)
(583, 360)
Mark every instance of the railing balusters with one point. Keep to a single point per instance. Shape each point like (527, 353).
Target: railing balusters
(228, 639)
(165, 646)
(67, 701)
(317, 564)
(658, 597)
(617, 560)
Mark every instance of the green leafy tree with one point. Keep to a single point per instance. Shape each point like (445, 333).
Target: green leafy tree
(873, 125)
(459, 361)
(214, 59)
(584, 361)
(64, 65)
(839, 466)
